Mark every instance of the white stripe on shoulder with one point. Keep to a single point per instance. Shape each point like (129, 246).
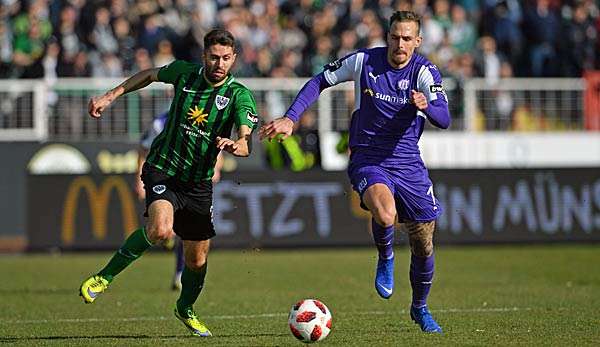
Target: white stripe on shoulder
(342, 70)
(358, 66)
(424, 80)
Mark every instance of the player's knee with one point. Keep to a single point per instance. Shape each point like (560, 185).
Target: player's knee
(159, 233)
(384, 216)
(195, 263)
(422, 248)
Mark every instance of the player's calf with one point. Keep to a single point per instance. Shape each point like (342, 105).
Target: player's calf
(420, 236)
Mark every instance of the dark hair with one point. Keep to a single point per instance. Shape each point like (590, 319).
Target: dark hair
(406, 16)
(219, 37)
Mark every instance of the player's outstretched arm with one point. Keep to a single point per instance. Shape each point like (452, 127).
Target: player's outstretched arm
(241, 147)
(281, 126)
(141, 79)
(306, 96)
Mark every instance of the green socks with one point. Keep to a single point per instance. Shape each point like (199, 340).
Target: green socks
(136, 244)
(191, 286)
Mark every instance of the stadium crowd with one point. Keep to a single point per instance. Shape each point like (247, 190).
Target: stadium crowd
(289, 38)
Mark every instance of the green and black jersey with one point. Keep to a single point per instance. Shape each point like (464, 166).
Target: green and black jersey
(186, 148)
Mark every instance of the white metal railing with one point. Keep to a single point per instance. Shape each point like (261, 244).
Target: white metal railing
(534, 104)
(35, 110)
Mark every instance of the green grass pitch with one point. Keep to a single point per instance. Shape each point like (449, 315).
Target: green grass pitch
(501, 295)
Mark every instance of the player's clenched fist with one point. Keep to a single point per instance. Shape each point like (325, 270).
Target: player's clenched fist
(97, 105)
(282, 125)
(418, 99)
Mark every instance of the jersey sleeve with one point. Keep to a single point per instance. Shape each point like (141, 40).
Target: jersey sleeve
(429, 82)
(169, 73)
(245, 109)
(344, 69)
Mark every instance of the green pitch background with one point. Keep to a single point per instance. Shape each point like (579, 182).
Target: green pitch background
(501, 295)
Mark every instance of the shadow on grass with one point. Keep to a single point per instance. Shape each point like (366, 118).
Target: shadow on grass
(142, 336)
(42, 291)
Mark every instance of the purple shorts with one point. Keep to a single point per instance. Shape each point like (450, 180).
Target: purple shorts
(411, 187)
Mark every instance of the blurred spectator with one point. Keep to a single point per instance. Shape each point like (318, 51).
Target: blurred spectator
(500, 111)
(375, 37)
(421, 7)
(347, 43)
(164, 55)
(81, 67)
(323, 50)
(275, 34)
(102, 36)
(488, 61)
(108, 66)
(6, 49)
(441, 14)
(29, 52)
(462, 32)
(384, 9)
(432, 33)
(505, 28)
(580, 50)
(541, 25)
(444, 54)
(37, 14)
(68, 38)
(152, 34)
(291, 35)
(126, 43)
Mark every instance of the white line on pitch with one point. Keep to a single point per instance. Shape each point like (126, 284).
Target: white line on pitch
(264, 315)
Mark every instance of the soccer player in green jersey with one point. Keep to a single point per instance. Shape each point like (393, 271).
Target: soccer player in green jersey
(208, 103)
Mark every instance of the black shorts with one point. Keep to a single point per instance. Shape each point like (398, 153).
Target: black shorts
(192, 203)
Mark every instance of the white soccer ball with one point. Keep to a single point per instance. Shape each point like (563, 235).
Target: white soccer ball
(310, 320)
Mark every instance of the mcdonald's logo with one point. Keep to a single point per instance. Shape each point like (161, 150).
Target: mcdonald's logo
(98, 199)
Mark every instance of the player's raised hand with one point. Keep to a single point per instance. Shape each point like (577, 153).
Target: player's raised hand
(418, 99)
(97, 105)
(226, 144)
(281, 126)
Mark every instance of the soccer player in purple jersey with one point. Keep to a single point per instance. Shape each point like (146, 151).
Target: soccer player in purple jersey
(396, 90)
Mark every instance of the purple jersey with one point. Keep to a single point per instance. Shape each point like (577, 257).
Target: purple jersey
(385, 126)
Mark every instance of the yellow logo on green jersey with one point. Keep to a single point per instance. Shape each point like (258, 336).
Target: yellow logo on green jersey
(197, 116)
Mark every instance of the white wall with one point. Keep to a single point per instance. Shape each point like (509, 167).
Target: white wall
(510, 150)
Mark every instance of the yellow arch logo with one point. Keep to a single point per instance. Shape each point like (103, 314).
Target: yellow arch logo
(98, 199)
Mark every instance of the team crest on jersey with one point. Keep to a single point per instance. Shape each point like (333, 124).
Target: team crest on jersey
(221, 102)
(159, 189)
(403, 84)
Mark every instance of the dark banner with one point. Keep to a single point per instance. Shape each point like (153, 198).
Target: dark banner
(270, 209)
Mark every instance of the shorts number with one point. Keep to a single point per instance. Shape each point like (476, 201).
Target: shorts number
(430, 192)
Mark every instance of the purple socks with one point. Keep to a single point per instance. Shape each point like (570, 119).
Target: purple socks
(384, 239)
(421, 274)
